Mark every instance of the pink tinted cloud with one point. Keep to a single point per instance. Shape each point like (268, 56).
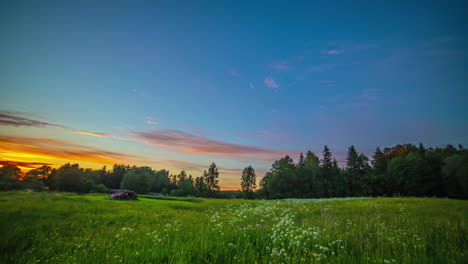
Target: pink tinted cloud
(186, 143)
(151, 122)
(270, 83)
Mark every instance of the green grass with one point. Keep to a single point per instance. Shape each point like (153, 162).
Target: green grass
(68, 228)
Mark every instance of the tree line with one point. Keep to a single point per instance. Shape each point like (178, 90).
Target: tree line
(402, 170)
(141, 179)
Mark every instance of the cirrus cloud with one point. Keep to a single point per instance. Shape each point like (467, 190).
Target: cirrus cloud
(151, 122)
(270, 83)
(9, 118)
(186, 143)
(331, 52)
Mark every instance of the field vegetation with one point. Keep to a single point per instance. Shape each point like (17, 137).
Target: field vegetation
(70, 228)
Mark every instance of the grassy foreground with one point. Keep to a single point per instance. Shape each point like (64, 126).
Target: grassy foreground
(67, 228)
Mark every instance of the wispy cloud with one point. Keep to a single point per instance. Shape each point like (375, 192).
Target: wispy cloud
(233, 73)
(173, 140)
(83, 133)
(251, 85)
(103, 135)
(270, 83)
(151, 122)
(280, 66)
(186, 143)
(331, 52)
(286, 64)
(340, 47)
(365, 98)
(8, 118)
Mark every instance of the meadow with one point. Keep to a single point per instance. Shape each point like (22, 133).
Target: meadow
(70, 228)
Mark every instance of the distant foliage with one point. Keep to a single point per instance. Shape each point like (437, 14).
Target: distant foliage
(207, 185)
(138, 179)
(10, 177)
(185, 186)
(100, 188)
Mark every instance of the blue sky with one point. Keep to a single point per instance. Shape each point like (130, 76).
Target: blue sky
(235, 83)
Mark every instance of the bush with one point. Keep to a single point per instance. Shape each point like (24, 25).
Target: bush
(100, 188)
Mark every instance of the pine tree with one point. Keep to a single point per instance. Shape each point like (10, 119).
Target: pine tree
(326, 164)
(352, 171)
(352, 158)
(421, 148)
(379, 161)
(301, 159)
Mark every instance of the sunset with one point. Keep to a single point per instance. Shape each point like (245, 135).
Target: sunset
(243, 100)
(136, 87)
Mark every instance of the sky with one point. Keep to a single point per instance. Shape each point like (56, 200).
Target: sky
(178, 85)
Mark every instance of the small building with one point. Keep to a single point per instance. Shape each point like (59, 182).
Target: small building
(118, 194)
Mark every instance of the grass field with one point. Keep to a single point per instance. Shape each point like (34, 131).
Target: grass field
(68, 228)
